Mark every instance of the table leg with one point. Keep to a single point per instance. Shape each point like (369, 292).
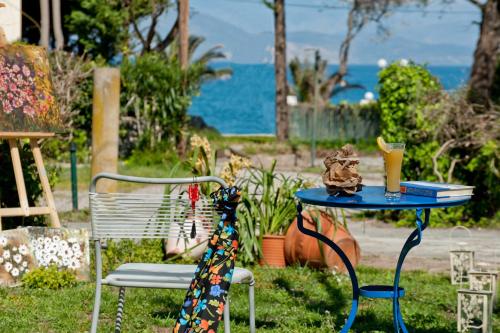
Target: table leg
(412, 241)
(345, 260)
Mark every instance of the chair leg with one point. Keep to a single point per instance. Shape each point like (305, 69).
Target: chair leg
(97, 305)
(251, 302)
(227, 319)
(119, 313)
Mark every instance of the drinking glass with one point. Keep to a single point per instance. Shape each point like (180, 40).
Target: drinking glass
(393, 158)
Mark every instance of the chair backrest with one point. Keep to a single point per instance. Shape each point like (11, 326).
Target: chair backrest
(149, 215)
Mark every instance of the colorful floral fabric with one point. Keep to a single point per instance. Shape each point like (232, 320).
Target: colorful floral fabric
(27, 101)
(204, 303)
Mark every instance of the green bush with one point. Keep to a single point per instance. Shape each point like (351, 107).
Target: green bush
(8, 188)
(58, 149)
(49, 278)
(156, 95)
(403, 92)
(417, 111)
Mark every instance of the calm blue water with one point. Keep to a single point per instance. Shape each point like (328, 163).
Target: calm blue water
(244, 104)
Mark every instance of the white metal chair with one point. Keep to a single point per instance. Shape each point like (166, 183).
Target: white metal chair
(148, 216)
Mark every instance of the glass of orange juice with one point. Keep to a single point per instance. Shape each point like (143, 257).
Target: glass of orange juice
(393, 161)
(393, 158)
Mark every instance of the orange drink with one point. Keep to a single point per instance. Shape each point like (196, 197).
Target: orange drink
(393, 158)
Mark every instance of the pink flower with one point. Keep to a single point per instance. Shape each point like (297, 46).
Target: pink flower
(17, 102)
(16, 68)
(28, 110)
(7, 108)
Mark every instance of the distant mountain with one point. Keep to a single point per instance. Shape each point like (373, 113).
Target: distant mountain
(244, 47)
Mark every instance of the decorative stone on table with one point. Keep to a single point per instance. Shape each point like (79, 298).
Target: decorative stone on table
(341, 175)
(24, 249)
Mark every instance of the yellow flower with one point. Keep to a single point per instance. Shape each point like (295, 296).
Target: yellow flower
(231, 168)
(200, 142)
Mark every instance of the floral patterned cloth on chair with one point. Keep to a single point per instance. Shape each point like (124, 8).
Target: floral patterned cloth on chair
(206, 297)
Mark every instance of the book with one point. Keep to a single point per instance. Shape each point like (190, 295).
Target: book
(435, 190)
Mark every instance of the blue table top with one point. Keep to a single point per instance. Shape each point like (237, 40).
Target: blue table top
(372, 197)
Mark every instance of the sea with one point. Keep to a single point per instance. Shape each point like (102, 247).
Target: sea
(243, 104)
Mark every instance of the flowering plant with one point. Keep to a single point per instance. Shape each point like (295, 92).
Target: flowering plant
(27, 101)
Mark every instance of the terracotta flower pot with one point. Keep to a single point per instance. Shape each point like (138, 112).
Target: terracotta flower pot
(273, 250)
(303, 249)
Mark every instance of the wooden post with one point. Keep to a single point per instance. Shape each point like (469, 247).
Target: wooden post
(105, 125)
(183, 33)
(10, 19)
(3, 36)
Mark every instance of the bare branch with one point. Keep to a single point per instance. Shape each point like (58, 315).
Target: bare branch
(158, 10)
(169, 38)
(138, 33)
(477, 3)
(440, 152)
(361, 13)
(450, 170)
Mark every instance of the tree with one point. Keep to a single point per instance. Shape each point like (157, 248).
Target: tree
(278, 8)
(207, 72)
(146, 11)
(303, 82)
(107, 28)
(183, 10)
(56, 24)
(280, 70)
(486, 54)
(45, 23)
(361, 13)
(99, 28)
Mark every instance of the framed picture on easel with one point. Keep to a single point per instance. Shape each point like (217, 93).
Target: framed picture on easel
(27, 101)
(28, 111)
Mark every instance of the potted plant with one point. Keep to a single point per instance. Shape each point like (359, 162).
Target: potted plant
(267, 210)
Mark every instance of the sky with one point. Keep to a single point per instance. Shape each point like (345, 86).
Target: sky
(441, 22)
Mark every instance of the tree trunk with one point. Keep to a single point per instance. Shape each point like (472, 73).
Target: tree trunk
(56, 24)
(45, 23)
(183, 33)
(486, 54)
(280, 70)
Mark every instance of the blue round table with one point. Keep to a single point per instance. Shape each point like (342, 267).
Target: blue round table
(372, 197)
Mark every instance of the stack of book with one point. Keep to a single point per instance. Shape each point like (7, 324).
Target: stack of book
(435, 190)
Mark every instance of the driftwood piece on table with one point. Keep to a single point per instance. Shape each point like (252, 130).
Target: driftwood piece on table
(341, 175)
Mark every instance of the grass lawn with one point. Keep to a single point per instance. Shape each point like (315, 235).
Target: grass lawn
(287, 300)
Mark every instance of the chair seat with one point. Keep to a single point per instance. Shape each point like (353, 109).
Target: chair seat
(169, 276)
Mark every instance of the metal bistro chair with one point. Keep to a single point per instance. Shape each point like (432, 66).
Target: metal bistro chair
(148, 216)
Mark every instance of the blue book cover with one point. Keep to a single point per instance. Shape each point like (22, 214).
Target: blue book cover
(435, 190)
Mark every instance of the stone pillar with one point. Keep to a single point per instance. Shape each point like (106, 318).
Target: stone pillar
(105, 125)
(10, 19)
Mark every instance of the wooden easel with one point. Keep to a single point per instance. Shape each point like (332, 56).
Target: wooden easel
(12, 138)
(25, 209)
